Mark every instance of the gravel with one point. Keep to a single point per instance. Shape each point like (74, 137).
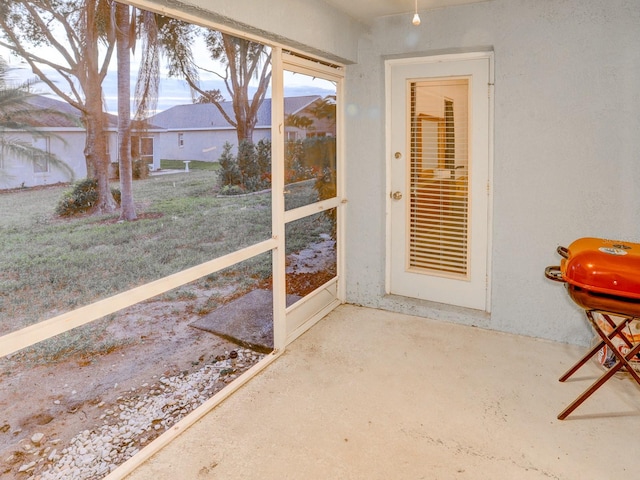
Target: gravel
(133, 422)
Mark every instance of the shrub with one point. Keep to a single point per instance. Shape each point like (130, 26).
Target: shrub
(81, 198)
(263, 152)
(231, 190)
(309, 158)
(229, 173)
(294, 162)
(320, 153)
(139, 169)
(325, 185)
(249, 172)
(248, 164)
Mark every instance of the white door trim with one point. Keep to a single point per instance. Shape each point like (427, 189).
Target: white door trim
(388, 152)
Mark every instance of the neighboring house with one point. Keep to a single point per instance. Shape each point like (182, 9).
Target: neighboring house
(144, 144)
(199, 131)
(318, 125)
(65, 137)
(183, 132)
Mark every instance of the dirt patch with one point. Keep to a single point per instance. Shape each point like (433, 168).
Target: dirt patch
(139, 216)
(61, 399)
(34, 188)
(42, 407)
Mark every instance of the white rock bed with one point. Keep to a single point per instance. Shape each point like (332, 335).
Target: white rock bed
(133, 422)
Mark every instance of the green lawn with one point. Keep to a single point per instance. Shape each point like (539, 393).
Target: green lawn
(51, 265)
(193, 165)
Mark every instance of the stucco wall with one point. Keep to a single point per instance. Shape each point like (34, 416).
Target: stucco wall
(204, 145)
(68, 146)
(567, 147)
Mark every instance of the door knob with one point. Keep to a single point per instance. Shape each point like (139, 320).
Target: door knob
(396, 195)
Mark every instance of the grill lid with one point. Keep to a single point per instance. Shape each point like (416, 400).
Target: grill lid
(604, 266)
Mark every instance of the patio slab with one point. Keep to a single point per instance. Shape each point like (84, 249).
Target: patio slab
(247, 320)
(379, 395)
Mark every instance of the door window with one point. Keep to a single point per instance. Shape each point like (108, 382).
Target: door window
(438, 232)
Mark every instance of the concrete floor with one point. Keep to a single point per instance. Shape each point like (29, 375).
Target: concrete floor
(367, 394)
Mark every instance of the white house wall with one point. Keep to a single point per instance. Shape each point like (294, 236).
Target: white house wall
(566, 162)
(69, 148)
(204, 145)
(68, 145)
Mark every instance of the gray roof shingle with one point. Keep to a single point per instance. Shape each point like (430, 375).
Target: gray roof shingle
(188, 116)
(207, 115)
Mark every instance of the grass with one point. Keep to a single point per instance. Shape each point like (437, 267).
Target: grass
(193, 165)
(51, 265)
(91, 339)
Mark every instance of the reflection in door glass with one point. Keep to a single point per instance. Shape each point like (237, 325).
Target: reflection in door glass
(310, 139)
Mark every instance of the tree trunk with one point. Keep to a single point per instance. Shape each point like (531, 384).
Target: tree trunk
(244, 131)
(96, 146)
(96, 155)
(127, 211)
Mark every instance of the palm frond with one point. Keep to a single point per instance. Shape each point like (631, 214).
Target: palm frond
(17, 114)
(28, 153)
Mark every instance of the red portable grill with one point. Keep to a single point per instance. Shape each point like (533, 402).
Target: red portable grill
(603, 277)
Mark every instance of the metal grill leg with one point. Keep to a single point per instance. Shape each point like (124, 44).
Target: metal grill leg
(622, 361)
(616, 330)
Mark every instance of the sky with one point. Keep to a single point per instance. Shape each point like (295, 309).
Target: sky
(173, 91)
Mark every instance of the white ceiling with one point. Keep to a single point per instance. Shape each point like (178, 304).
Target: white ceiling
(366, 10)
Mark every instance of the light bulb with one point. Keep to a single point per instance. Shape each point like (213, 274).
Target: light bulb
(416, 19)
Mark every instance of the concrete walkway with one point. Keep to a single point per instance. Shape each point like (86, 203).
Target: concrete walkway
(367, 394)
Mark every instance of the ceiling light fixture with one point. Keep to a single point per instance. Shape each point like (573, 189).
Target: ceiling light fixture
(416, 17)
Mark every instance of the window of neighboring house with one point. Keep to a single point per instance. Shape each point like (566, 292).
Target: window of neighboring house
(142, 148)
(41, 163)
(180, 140)
(135, 147)
(146, 150)
(316, 134)
(291, 136)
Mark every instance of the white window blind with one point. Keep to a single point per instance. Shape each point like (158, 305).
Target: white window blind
(438, 177)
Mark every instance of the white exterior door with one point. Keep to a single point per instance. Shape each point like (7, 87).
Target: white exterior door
(438, 111)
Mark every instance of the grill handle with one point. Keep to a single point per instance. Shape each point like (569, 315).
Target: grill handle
(563, 252)
(554, 273)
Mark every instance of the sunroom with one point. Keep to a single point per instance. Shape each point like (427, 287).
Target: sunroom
(409, 354)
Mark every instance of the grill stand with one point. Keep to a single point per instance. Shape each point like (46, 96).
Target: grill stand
(622, 361)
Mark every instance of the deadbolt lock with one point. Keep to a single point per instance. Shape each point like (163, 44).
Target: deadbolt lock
(396, 195)
(398, 155)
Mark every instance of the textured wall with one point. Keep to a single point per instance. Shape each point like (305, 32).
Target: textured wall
(567, 147)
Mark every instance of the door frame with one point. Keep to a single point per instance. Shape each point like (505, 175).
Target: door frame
(306, 312)
(389, 63)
